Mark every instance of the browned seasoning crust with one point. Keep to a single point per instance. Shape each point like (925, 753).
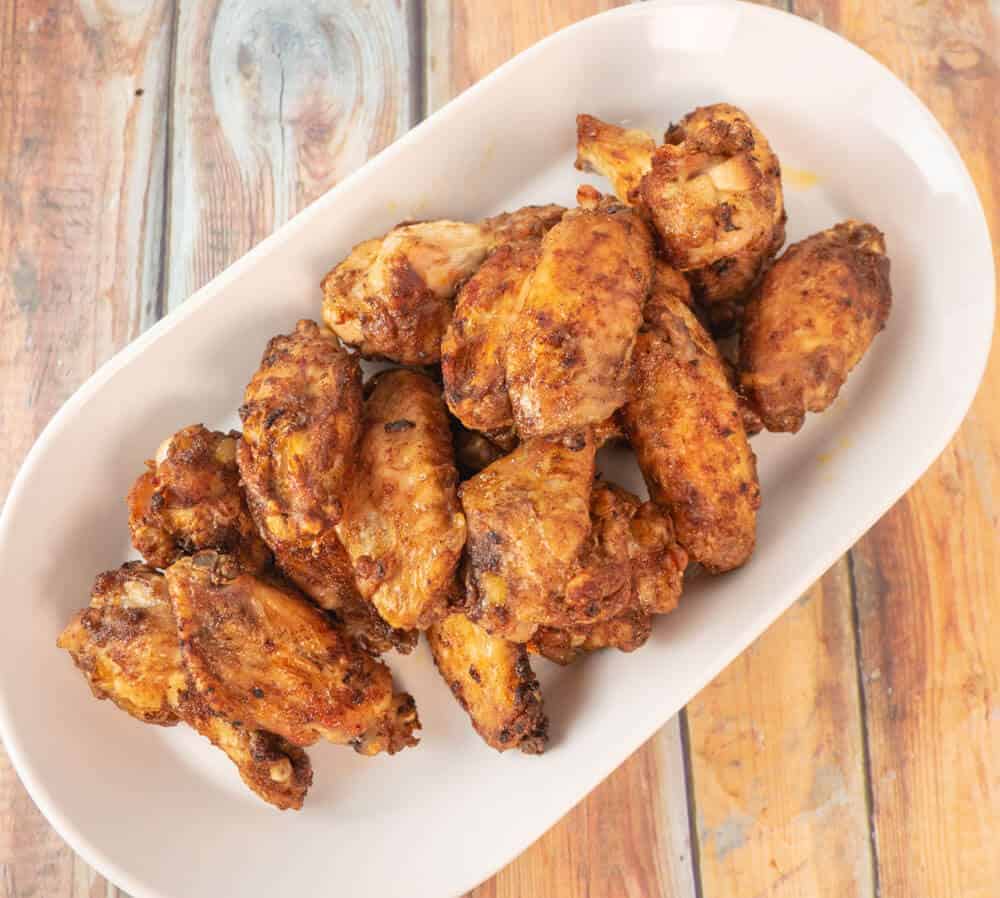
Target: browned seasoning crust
(474, 351)
(302, 417)
(403, 527)
(392, 297)
(811, 321)
(190, 498)
(685, 424)
(493, 681)
(258, 651)
(126, 645)
(569, 355)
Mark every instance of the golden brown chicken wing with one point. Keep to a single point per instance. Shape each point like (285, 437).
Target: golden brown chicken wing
(623, 155)
(302, 422)
(713, 192)
(127, 646)
(258, 651)
(568, 358)
(474, 351)
(190, 498)
(493, 681)
(637, 540)
(392, 297)
(403, 527)
(685, 425)
(812, 319)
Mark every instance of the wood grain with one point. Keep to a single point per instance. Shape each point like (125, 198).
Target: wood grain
(82, 137)
(928, 575)
(777, 760)
(273, 104)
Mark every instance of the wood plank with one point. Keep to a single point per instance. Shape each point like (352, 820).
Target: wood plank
(82, 140)
(630, 836)
(927, 575)
(777, 760)
(273, 104)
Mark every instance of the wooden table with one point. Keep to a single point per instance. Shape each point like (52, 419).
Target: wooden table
(854, 750)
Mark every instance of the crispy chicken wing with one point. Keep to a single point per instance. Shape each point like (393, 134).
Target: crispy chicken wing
(392, 297)
(812, 319)
(302, 417)
(190, 498)
(685, 425)
(493, 681)
(474, 351)
(258, 651)
(403, 527)
(713, 192)
(126, 644)
(568, 358)
(638, 539)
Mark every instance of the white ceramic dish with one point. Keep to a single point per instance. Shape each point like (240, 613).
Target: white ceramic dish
(162, 813)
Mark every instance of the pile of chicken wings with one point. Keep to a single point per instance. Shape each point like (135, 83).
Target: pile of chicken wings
(457, 494)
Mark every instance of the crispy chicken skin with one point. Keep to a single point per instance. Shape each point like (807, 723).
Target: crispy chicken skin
(403, 527)
(528, 521)
(190, 498)
(812, 319)
(636, 540)
(623, 155)
(258, 651)
(302, 417)
(126, 645)
(474, 351)
(569, 356)
(685, 424)
(712, 190)
(714, 194)
(392, 297)
(493, 681)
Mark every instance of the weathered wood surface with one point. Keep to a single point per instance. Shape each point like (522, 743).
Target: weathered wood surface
(852, 751)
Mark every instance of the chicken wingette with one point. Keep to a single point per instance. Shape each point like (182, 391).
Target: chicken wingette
(493, 681)
(302, 420)
(190, 499)
(258, 651)
(392, 297)
(568, 357)
(403, 527)
(685, 424)
(127, 646)
(813, 318)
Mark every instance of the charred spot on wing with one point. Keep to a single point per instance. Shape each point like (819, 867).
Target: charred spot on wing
(398, 426)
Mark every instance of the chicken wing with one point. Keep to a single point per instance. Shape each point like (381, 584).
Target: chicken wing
(528, 521)
(403, 527)
(713, 192)
(392, 297)
(493, 681)
(474, 350)
(126, 645)
(569, 356)
(637, 539)
(812, 319)
(302, 417)
(258, 651)
(684, 422)
(190, 498)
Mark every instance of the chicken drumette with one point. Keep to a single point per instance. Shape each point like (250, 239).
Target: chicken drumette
(685, 424)
(392, 297)
(403, 527)
(712, 190)
(812, 319)
(302, 417)
(126, 644)
(190, 499)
